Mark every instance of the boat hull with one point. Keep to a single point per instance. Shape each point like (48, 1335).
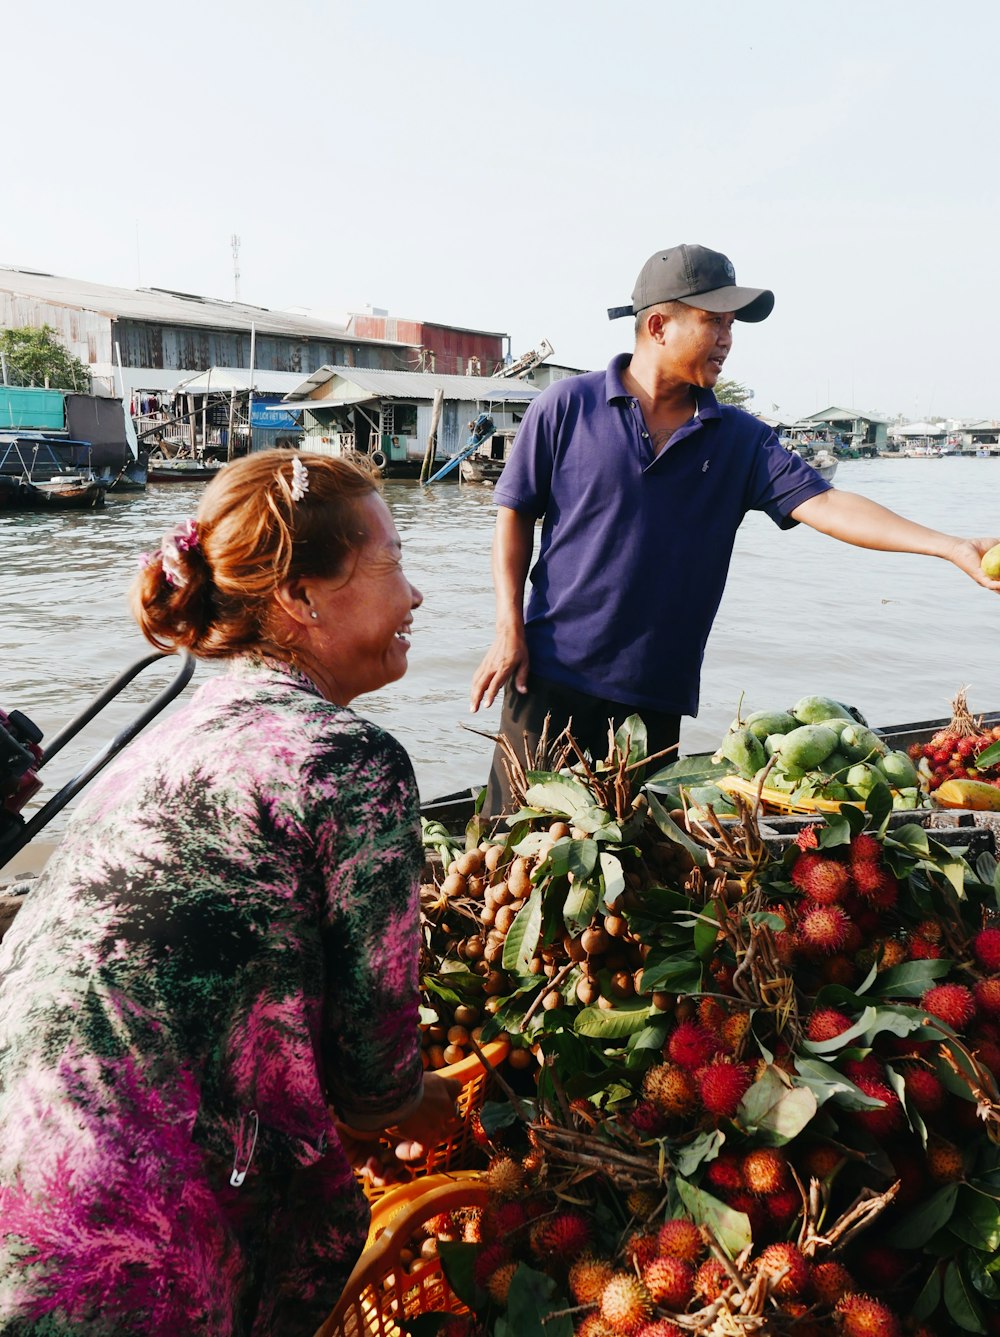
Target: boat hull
(18, 495)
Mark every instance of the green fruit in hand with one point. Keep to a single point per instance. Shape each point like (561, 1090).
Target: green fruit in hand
(990, 562)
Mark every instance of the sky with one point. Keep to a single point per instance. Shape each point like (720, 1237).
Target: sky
(510, 168)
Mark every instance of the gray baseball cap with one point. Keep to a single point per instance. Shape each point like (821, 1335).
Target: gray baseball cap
(698, 277)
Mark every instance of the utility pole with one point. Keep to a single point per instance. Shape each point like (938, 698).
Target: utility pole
(235, 243)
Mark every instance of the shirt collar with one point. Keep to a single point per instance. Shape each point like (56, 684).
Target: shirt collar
(706, 404)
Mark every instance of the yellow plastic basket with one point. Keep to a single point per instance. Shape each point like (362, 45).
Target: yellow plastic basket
(383, 1288)
(775, 800)
(457, 1150)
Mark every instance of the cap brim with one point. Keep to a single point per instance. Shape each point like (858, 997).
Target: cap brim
(746, 303)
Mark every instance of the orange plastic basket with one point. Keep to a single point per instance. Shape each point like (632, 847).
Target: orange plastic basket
(456, 1151)
(382, 1288)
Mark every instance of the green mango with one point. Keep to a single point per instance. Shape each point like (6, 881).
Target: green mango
(863, 779)
(837, 764)
(816, 709)
(764, 722)
(837, 792)
(807, 747)
(906, 800)
(745, 751)
(860, 744)
(773, 742)
(899, 770)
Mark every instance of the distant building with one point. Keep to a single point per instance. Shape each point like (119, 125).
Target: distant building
(448, 350)
(855, 430)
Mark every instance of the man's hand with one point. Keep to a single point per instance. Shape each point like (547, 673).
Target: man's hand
(966, 556)
(506, 658)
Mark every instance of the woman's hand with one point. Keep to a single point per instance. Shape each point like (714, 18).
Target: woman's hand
(434, 1118)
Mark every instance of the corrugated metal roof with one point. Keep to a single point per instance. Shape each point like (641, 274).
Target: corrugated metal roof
(224, 380)
(407, 385)
(173, 308)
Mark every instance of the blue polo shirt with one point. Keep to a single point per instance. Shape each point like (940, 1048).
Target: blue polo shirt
(635, 547)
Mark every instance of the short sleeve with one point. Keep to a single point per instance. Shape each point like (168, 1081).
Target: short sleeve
(368, 838)
(779, 481)
(527, 476)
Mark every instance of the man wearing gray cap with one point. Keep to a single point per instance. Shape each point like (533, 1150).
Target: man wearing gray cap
(641, 479)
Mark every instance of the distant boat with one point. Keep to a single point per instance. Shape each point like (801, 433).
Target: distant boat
(38, 474)
(161, 469)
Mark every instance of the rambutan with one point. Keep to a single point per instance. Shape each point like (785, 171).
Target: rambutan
(661, 1327)
(783, 1207)
(987, 994)
(923, 1090)
(869, 1066)
(640, 1249)
(986, 947)
(472, 1225)
(786, 1258)
(679, 1238)
(722, 1085)
(498, 1284)
(691, 1045)
(826, 1023)
(647, 1119)
(734, 1030)
(919, 949)
(504, 1177)
(711, 1280)
(711, 1013)
(882, 1266)
(670, 1281)
(883, 1119)
(876, 884)
(443, 1226)
(929, 929)
(504, 1218)
(671, 1089)
(820, 1159)
(861, 1316)
(865, 848)
(839, 969)
(830, 1281)
(823, 928)
(953, 1004)
(488, 1259)
(642, 1202)
(592, 1325)
(988, 1053)
(724, 1173)
(891, 954)
(944, 1161)
(625, 1304)
(808, 837)
(765, 1171)
(588, 1277)
(565, 1235)
(823, 880)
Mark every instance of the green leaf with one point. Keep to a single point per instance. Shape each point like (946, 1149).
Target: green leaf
(614, 878)
(705, 1147)
(924, 1222)
(651, 1036)
(699, 768)
(593, 820)
(959, 1300)
(679, 973)
(532, 843)
(911, 838)
(532, 1297)
(989, 757)
(706, 931)
(977, 1221)
(458, 1262)
(522, 936)
(556, 793)
(775, 1112)
(878, 804)
(826, 1083)
(579, 906)
(731, 1229)
(911, 979)
(673, 832)
(631, 736)
(612, 1023)
(497, 1114)
(930, 1296)
(983, 1276)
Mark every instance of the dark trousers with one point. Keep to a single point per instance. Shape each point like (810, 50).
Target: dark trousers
(523, 718)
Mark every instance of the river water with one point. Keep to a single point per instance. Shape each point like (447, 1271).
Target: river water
(893, 634)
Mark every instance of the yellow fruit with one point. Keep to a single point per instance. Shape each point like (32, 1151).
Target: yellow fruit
(990, 562)
(976, 794)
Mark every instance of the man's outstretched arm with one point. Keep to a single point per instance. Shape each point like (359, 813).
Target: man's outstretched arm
(865, 524)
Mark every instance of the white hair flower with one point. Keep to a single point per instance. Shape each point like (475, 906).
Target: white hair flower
(300, 479)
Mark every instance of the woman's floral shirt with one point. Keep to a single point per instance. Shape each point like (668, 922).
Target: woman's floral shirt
(224, 947)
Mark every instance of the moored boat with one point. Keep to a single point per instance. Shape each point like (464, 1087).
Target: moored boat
(38, 474)
(181, 469)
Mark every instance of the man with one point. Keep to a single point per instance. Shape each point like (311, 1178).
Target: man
(642, 479)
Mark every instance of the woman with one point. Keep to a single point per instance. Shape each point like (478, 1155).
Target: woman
(220, 963)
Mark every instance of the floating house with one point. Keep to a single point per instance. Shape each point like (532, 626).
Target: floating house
(854, 430)
(387, 415)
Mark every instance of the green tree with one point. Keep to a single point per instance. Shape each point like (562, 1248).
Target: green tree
(733, 392)
(32, 356)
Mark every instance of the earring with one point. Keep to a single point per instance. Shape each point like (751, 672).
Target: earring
(314, 615)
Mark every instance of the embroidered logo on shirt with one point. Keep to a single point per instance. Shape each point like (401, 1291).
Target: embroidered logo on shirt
(704, 467)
